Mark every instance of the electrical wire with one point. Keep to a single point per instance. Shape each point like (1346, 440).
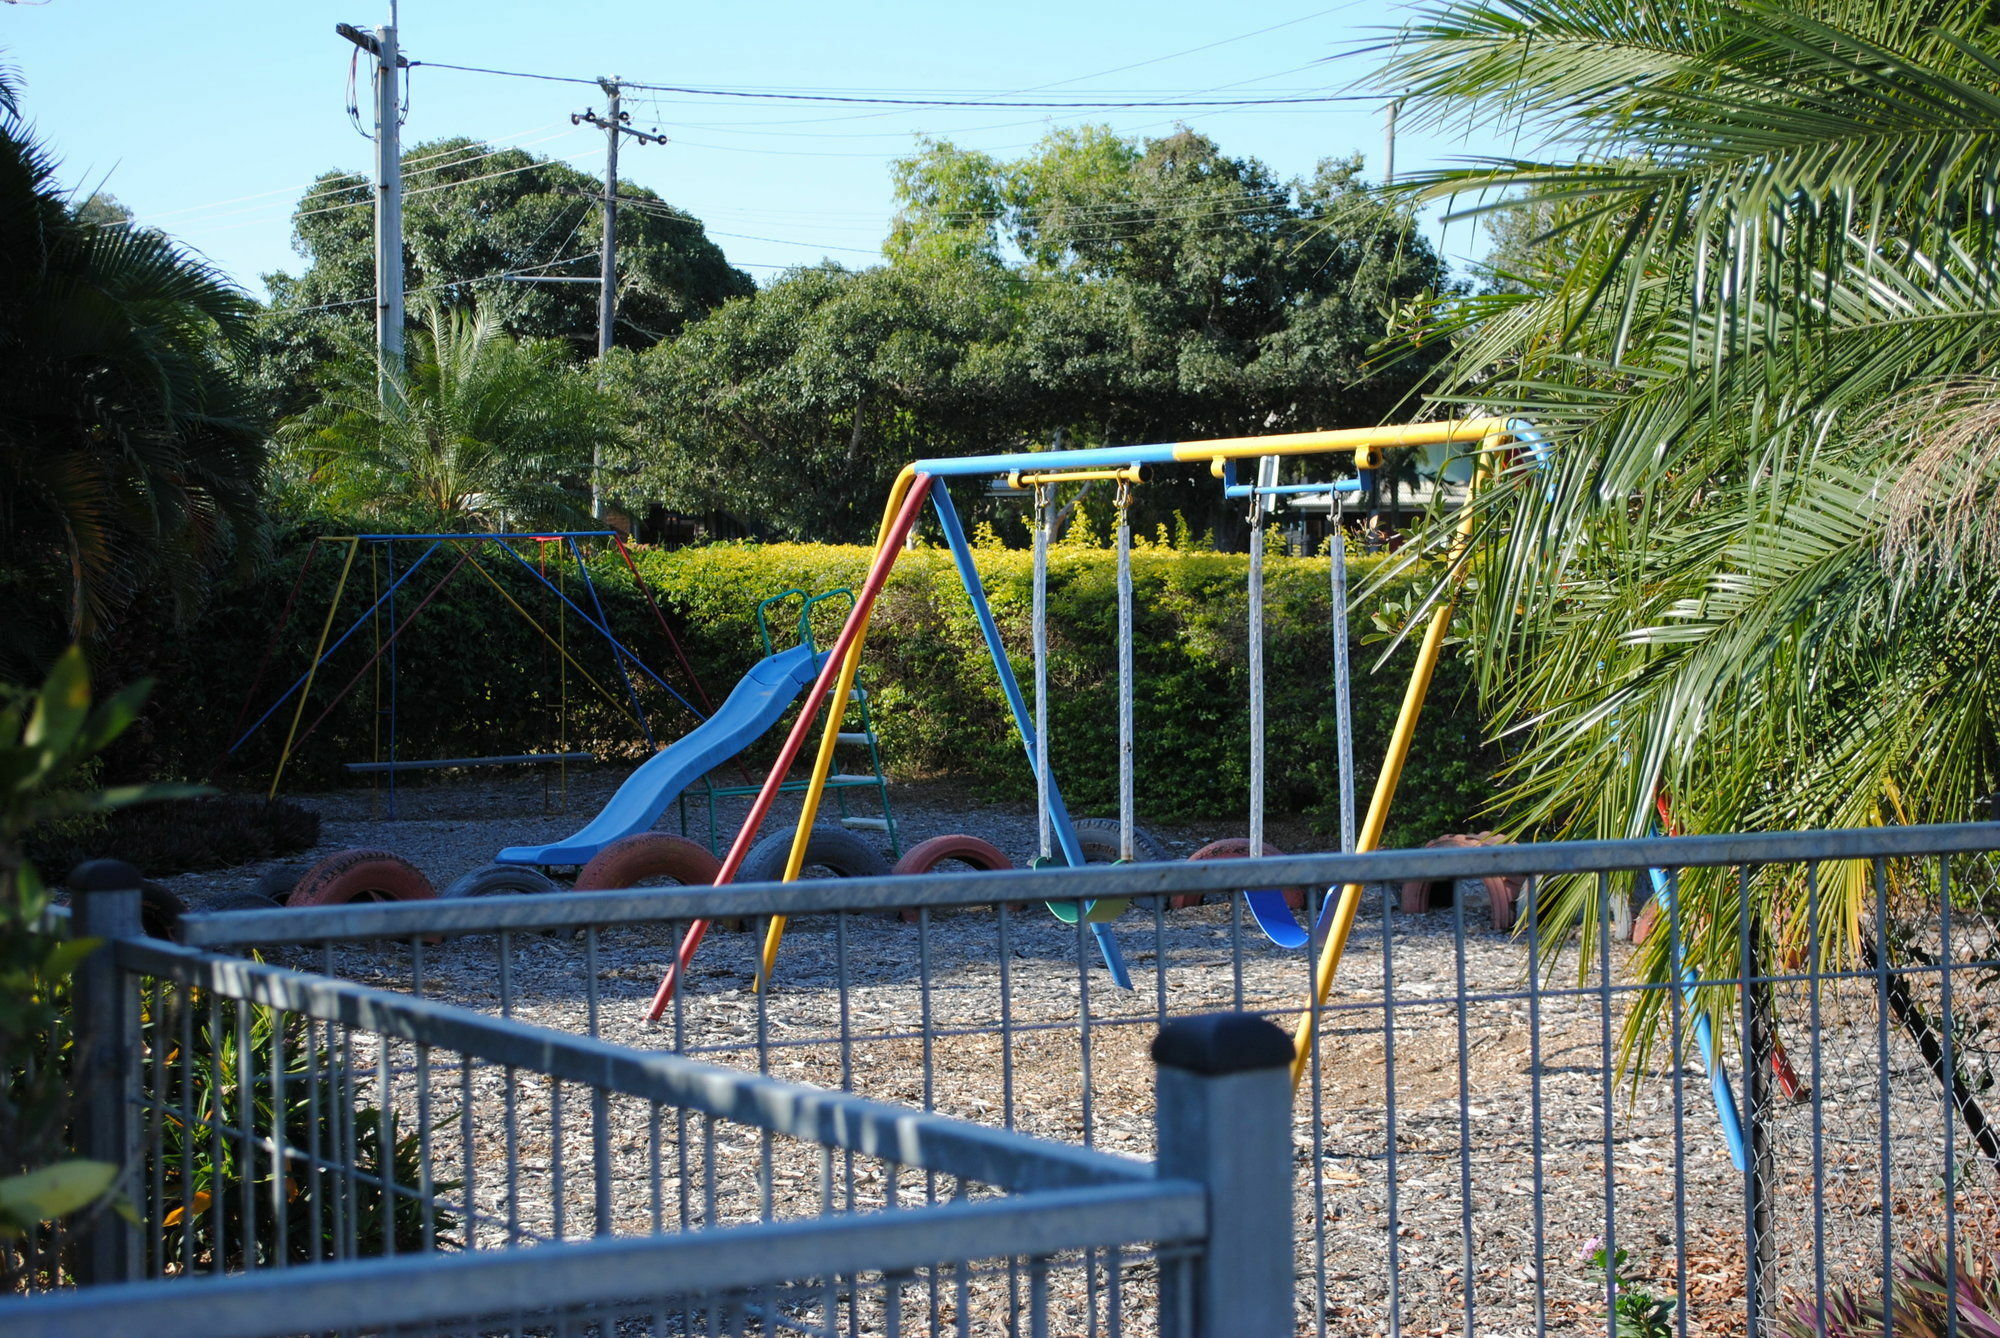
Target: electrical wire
(1115, 102)
(441, 287)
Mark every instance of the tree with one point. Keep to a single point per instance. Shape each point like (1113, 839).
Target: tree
(470, 215)
(480, 429)
(129, 455)
(793, 410)
(1101, 288)
(1758, 576)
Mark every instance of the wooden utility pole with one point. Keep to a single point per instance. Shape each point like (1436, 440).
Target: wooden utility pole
(614, 123)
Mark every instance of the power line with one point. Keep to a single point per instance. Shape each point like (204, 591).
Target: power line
(1115, 102)
(439, 287)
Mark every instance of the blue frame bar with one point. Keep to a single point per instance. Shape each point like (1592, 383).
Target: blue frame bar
(327, 654)
(617, 646)
(1059, 819)
(583, 569)
(1291, 489)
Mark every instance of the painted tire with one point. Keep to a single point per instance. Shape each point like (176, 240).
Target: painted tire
(160, 912)
(277, 884)
(925, 857)
(500, 880)
(631, 860)
(1270, 907)
(833, 848)
(361, 875)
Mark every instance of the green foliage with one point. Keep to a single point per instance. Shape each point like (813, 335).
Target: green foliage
(217, 1193)
(478, 429)
(47, 739)
(1758, 574)
(129, 457)
(1102, 288)
(1925, 1301)
(528, 214)
(937, 703)
(1636, 1312)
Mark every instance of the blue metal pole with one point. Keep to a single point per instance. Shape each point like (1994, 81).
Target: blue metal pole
(1065, 830)
(617, 646)
(327, 654)
(583, 570)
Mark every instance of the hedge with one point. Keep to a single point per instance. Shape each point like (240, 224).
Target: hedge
(474, 678)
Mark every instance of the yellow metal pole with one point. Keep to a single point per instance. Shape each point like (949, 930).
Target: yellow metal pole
(1385, 782)
(325, 630)
(1488, 431)
(829, 737)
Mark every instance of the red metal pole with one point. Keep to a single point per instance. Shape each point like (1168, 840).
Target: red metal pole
(864, 602)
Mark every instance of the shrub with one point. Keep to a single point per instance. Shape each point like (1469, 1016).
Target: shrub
(1920, 1305)
(208, 1179)
(475, 678)
(186, 835)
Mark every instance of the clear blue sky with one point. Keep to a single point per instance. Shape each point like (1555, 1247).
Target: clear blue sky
(209, 119)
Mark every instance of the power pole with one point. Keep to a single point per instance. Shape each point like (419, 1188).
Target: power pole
(1389, 141)
(389, 64)
(613, 122)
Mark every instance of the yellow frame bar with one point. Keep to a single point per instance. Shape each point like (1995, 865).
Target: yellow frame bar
(1122, 474)
(1392, 772)
(829, 739)
(1491, 433)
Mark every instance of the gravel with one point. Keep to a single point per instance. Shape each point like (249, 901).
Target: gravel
(1472, 1085)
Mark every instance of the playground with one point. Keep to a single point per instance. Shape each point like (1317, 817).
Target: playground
(1456, 1099)
(1501, 1123)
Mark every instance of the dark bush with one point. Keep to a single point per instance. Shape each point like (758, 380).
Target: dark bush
(475, 678)
(186, 835)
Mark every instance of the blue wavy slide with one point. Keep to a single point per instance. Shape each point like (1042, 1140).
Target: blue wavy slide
(753, 706)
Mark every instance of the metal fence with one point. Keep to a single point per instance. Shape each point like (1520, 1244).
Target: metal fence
(310, 1155)
(1471, 1130)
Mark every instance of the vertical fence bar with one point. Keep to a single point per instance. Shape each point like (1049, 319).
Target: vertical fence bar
(1224, 1119)
(106, 894)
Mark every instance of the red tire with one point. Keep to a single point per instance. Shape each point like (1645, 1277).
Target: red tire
(926, 856)
(361, 875)
(1238, 847)
(631, 860)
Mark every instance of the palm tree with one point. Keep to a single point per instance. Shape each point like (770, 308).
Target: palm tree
(1758, 575)
(127, 451)
(479, 429)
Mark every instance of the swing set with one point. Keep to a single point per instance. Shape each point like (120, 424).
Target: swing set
(558, 566)
(1127, 467)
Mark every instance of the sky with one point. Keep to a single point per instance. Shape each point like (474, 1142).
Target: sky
(209, 120)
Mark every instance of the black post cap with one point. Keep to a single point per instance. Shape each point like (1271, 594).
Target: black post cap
(104, 875)
(1219, 1043)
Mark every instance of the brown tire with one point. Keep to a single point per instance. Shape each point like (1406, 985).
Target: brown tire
(631, 860)
(926, 856)
(1238, 847)
(361, 875)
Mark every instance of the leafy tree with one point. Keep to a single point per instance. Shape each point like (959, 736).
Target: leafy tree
(479, 429)
(129, 455)
(1106, 289)
(794, 409)
(471, 214)
(1759, 576)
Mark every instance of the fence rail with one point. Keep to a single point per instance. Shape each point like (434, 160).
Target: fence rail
(1481, 1113)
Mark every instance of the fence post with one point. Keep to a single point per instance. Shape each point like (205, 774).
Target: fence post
(1224, 1119)
(105, 903)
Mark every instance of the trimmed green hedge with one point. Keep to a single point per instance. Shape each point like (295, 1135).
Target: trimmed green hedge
(474, 678)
